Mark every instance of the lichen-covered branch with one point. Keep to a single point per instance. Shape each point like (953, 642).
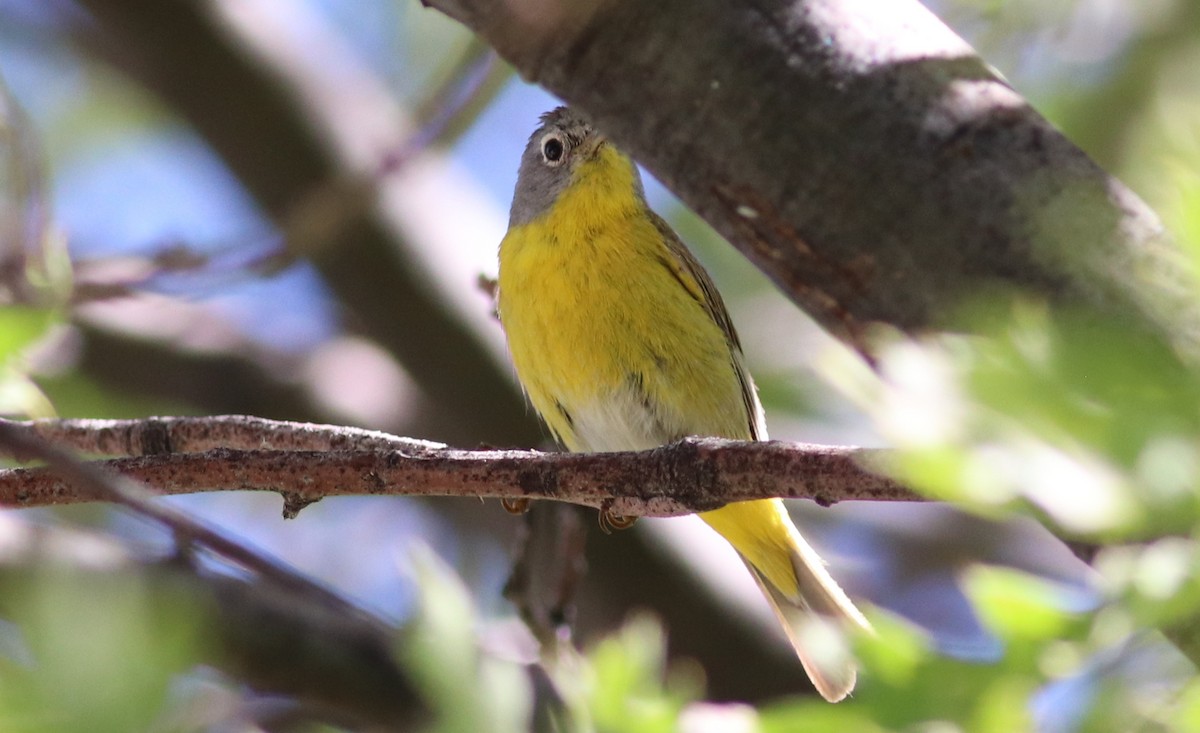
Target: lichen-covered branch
(308, 462)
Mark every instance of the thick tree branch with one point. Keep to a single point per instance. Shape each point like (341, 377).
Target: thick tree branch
(308, 462)
(859, 153)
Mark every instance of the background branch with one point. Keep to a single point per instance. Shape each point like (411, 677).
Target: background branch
(276, 639)
(178, 49)
(336, 654)
(89, 482)
(214, 382)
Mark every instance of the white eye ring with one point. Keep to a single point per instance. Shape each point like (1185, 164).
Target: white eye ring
(554, 150)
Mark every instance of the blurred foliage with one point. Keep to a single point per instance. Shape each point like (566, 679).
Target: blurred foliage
(469, 690)
(20, 328)
(1094, 426)
(34, 272)
(622, 684)
(1089, 420)
(109, 670)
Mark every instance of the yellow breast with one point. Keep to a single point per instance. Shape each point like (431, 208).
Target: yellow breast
(608, 338)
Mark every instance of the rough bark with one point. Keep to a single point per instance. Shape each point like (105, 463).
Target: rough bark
(859, 153)
(309, 462)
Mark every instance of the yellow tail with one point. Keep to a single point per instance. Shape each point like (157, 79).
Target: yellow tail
(812, 607)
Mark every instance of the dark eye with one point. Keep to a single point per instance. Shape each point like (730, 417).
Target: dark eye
(552, 149)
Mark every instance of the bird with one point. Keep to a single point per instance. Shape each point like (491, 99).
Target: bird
(621, 342)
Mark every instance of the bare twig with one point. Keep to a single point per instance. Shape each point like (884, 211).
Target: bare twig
(187, 455)
(465, 89)
(548, 567)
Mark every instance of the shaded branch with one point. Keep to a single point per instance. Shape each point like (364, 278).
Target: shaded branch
(162, 372)
(868, 162)
(307, 462)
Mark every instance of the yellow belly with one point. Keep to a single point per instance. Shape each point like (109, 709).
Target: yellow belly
(602, 331)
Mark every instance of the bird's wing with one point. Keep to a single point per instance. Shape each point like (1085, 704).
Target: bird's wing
(692, 276)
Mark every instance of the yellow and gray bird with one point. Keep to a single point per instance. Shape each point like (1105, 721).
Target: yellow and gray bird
(622, 343)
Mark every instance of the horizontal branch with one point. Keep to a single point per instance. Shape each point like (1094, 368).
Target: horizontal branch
(158, 435)
(308, 462)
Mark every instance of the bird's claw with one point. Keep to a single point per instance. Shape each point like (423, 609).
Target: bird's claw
(610, 521)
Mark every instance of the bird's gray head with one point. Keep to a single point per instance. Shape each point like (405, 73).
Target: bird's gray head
(563, 142)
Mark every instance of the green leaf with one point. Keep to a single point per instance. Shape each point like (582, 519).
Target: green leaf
(1186, 713)
(467, 689)
(1018, 606)
(812, 716)
(896, 651)
(103, 649)
(630, 689)
(21, 326)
